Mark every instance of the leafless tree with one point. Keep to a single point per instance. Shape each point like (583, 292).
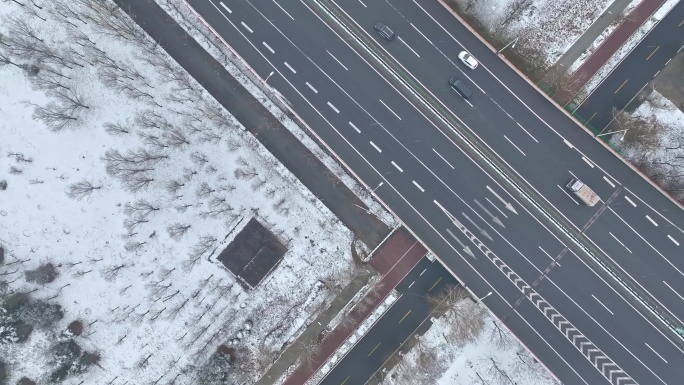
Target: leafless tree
(204, 190)
(500, 376)
(199, 158)
(174, 185)
(133, 222)
(112, 21)
(175, 137)
(111, 272)
(140, 208)
(49, 80)
(134, 245)
(308, 352)
(67, 11)
(82, 189)
(205, 244)
(55, 116)
(116, 129)
(500, 337)
(177, 230)
(69, 98)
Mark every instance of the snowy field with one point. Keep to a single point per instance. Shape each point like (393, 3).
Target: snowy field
(126, 179)
(545, 28)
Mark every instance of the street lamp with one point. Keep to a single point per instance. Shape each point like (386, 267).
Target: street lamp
(485, 296)
(381, 183)
(509, 43)
(269, 75)
(614, 132)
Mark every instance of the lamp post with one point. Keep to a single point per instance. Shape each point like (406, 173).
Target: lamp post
(381, 183)
(512, 42)
(614, 132)
(485, 296)
(269, 75)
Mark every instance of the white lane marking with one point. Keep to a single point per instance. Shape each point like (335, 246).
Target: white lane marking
(411, 284)
(397, 166)
(496, 207)
(267, 47)
(283, 9)
(652, 221)
(246, 27)
(604, 306)
(338, 62)
(445, 161)
(661, 357)
(354, 127)
(630, 201)
(656, 74)
(548, 255)
(290, 67)
(569, 196)
(333, 108)
(409, 47)
(587, 161)
(366, 7)
(646, 242)
(523, 128)
(673, 240)
(386, 106)
(421, 33)
(312, 88)
(668, 62)
(376, 147)
(608, 181)
(654, 210)
(568, 143)
(424, 270)
(675, 291)
(226, 8)
(518, 148)
(623, 245)
(419, 188)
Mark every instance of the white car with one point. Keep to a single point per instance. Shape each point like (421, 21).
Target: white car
(468, 60)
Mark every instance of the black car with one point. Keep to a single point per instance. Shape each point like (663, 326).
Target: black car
(461, 88)
(384, 30)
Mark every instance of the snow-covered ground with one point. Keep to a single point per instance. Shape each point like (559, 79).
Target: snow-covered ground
(169, 171)
(495, 357)
(545, 28)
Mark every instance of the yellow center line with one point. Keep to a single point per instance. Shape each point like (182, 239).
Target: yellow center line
(654, 51)
(345, 380)
(405, 315)
(376, 346)
(621, 85)
(435, 284)
(592, 117)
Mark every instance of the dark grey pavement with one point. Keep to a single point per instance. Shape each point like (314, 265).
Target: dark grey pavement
(619, 90)
(256, 119)
(409, 313)
(383, 137)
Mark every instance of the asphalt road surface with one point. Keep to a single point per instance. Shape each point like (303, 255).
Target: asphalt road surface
(619, 90)
(408, 314)
(563, 306)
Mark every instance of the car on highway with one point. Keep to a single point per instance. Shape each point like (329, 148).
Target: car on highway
(468, 60)
(384, 30)
(461, 88)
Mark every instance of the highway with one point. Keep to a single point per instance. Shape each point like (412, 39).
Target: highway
(619, 90)
(570, 313)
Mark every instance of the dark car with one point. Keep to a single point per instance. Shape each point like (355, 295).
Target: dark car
(461, 88)
(384, 30)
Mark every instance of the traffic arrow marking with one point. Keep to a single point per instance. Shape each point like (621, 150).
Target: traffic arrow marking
(508, 205)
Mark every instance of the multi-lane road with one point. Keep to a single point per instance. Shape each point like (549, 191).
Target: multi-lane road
(619, 90)
(481, 182)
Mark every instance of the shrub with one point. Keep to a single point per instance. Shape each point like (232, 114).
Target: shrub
(75, 328)
(45, 273)
(3, 185)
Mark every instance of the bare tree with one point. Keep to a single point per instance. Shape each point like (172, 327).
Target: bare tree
(132, 223)
(134, 245)
(308, 352)
(140, 208)
(177, 230)
(67, 11)
(174, 185)
(116, 129)
(82, 189)
(111, 272)
(204, 190)
(205, 244)
(199, 158)
(175, 137)
(500, 376)
(500, 337)
(55, 116)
